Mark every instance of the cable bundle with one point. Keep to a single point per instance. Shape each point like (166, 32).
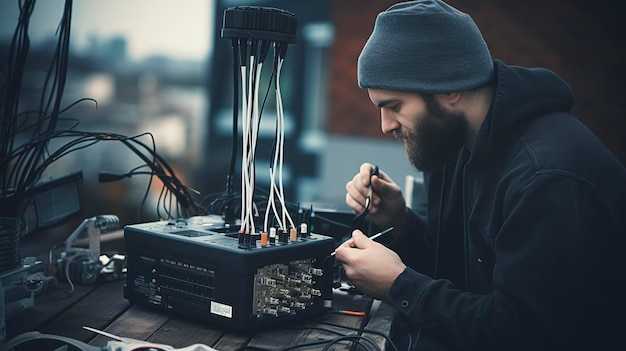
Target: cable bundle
(20, 165)
(276, 169)
(23, 164)
(253, 31)
(16, 181)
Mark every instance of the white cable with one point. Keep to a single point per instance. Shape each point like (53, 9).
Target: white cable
(275, 162)
(282, 156)
(281, 141)
(244, 113)
(250, 131)
(271, 203)
(277, 152)
(251, 117)
(244, 147)
(67, 267)
(255, 136)
(249, 159)
(280, 116)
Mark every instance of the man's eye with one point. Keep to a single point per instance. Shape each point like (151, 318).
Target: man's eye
(394, 108)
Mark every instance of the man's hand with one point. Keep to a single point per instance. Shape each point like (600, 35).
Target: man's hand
(387, 205)
(369, 265)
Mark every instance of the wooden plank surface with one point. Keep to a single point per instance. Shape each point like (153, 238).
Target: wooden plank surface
(46, 308)
(183, 332)
(95, 310)
(136, 323)
(103, 307)
(381, 319)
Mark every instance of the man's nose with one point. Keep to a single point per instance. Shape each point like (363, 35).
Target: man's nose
(388, 122)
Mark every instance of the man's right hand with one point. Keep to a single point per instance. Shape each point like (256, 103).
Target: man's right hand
(387, 205)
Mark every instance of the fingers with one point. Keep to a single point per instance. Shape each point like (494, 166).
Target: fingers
(357, 241)
(362, 180)
(384, 176)
(383, 187)
(354, 199)
(360, 240)
(366, 170)
(382, 181)
(350, 242)
(357, 188)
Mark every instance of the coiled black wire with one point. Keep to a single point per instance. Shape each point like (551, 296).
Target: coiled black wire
(22, 165)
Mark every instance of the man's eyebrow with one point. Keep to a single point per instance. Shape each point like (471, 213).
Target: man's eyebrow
(384, 103)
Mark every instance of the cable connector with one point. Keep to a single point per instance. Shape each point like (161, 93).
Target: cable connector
(80, 264)
(94, 227)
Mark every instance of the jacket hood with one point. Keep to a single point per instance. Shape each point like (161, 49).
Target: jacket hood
(521, 95)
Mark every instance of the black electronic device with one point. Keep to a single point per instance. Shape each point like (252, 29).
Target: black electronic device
(197, 267)
(260, 23)
(257, 274)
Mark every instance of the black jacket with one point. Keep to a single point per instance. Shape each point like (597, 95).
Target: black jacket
(525, 237)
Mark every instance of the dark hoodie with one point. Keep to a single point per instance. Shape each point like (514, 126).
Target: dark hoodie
(525, 240)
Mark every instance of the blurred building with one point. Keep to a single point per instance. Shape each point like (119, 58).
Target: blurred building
(331, 125)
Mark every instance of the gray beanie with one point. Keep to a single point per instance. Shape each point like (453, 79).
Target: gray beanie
(427, 47)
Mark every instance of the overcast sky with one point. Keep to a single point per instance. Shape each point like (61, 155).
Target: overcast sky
(179, 29)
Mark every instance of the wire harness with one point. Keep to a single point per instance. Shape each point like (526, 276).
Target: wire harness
(253, 31)
(26, 136)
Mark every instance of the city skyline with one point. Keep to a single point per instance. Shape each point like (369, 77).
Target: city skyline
(150, 28)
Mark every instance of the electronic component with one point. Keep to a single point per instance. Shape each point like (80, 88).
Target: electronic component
(20, 285)
(83, 265)
(253, 32)
(254, 275)
(197, 267)
(260, 23)
(53, 201)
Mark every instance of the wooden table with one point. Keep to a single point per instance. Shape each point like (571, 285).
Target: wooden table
(103, 307)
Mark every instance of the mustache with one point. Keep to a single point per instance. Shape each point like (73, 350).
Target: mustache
(398, 134)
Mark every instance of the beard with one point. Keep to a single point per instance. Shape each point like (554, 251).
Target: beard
(438, 136)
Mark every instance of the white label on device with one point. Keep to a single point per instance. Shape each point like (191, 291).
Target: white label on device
(221, 309)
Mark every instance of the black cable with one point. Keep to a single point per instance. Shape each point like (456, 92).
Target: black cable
(363, 330)
(329, 342)
(361, 216)
(175, 187)
(57, 74)
(356, 339)
(105, 176)
(273, 80)
(159, 166)
(23, 165)
(236, 76)
(411, 343)
(337, 223)
(144, 199)
(18, 52)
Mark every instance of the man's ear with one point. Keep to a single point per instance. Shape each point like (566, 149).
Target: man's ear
(448, 99)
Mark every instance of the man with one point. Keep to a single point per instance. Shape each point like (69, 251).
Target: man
(525, 237)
